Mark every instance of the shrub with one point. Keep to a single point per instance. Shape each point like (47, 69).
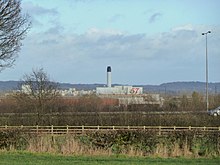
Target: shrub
(121, 141)
(13, 138)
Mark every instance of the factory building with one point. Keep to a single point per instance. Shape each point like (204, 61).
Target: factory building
(117, 90)
(143, 99)
(127, 95)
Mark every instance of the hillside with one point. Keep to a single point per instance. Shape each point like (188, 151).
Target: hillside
(165, 88)
(182, 87)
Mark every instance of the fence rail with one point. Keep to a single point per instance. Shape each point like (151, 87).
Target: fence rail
(56, 130)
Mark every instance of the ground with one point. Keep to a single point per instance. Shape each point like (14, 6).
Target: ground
(27, 158)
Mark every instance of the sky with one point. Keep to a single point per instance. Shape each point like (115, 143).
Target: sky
(144, 41)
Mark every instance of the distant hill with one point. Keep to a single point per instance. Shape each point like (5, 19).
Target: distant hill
(9, 85)
(182, 87)
(165, 88)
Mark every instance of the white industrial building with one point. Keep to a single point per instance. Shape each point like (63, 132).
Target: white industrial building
(117, 90)
(127, 95)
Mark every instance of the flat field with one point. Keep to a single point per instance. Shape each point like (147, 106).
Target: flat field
(25, 158)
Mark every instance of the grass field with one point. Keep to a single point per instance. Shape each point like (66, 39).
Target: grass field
(25, 158)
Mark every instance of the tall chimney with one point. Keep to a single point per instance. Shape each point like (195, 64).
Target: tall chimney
(109, 76)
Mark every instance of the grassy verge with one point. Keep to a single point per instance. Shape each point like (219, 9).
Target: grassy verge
(27, 158)
(188, 144)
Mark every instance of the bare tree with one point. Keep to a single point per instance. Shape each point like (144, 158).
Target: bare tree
(13, 28)
(38, 92)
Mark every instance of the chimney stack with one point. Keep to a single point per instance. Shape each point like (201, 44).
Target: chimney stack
(109, 76)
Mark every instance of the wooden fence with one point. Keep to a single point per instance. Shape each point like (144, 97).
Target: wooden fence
(58, 130)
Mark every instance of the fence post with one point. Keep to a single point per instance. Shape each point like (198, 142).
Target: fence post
(189, 127)
(6, 126)
(174, 128)
(159, 130)
(98, 127)
(82, 128)
(37, 128)
(128, 127)
(67, 129)
(144, 127)
(52, 129)
(204, 128)
(114, 127)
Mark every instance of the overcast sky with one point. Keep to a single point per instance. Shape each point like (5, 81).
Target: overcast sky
(145, 41)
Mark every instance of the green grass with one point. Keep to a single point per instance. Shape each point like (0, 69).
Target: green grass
(25, 158)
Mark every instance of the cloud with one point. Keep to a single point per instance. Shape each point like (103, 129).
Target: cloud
(112, 44)
(38, 10)
(154, 17)
(171, 54)
(188, 27)
(38, 13)
(55, 30)
(95, 34)
(109, 43)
